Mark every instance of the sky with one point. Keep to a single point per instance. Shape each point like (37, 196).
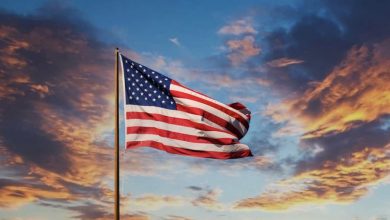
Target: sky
(313, 73)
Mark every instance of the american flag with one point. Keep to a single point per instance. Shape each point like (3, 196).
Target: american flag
(163, 114)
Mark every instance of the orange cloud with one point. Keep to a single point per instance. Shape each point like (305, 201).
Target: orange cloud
(352, 99)
(8, 57)
(63, 90)
(82, 170)
(283, 62)
(242, 26)
(63, 105)
(242, 50)
(17, 195)
(342, 181)
(42, 90)
(357, 90)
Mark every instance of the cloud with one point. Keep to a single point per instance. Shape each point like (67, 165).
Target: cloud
(355, 91)
(175, 41)
(361, 17)
(320, 49)
(17, 193)
(98, 212)
(195, 188)
(238, 27)
(283, 62)
(156, 202)
(174, 68)
(55, 108)
(344, 143)
(241, 50)
(176, 217)
(209, 199)
(317, 151)
(342, 181)
(260, 162)
(263, 162)
(42, 90)
(319, 35)
(227, 81)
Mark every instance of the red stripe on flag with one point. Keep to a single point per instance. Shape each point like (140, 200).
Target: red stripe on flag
(180, 136)
(187, 152)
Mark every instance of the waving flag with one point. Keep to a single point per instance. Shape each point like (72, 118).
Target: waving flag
(163, 114)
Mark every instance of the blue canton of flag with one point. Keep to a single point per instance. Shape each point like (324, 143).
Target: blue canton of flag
(146, 87)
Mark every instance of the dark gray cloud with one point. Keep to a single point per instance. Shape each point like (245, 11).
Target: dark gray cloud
(315, 40)
(321, 36)
(195, 188)
(334, 147)
(59, 56)
(55, 76)
(362, 21)
(23, 136)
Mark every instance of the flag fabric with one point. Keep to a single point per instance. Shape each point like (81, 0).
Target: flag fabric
(163, 114)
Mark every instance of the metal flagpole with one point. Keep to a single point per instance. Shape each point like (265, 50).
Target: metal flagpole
(117, 193)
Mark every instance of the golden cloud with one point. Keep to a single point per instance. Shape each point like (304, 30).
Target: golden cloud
(342, 181)
(71, 104)
(78, 136)
(355, 93)
(77, 127)
(357, 90)
(10, 59)
(14, 196)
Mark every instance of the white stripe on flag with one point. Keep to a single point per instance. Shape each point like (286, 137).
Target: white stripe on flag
(187, 145)
(177, 128)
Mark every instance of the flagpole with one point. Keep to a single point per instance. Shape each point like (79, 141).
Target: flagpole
(117, 193)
